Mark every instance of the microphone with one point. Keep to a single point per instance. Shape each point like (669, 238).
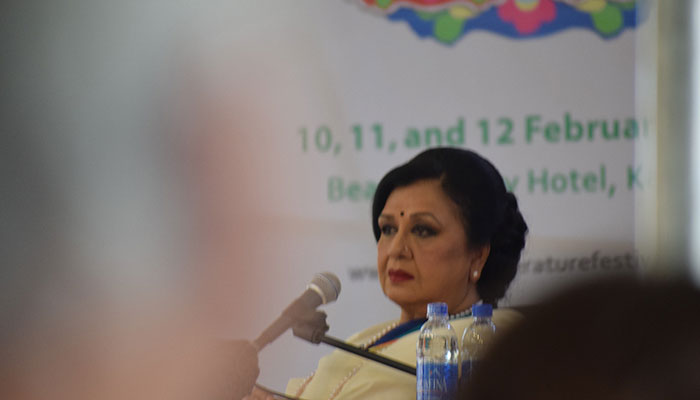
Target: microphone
(314, 327)
(323, 289)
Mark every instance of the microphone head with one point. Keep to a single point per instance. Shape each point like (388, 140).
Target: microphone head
(327, 285)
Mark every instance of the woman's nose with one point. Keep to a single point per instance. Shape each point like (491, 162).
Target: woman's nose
(399, 246)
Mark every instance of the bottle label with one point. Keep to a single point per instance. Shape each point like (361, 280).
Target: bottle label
(436, 381)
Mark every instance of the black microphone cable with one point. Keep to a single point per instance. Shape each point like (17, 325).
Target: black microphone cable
(276, 393)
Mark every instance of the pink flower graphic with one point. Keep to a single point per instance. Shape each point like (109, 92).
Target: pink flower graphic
(527, 15)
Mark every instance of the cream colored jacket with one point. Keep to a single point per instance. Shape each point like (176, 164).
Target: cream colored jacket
(342, 375)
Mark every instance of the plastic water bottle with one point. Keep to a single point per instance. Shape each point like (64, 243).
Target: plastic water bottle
(476, 339)
(437, 353)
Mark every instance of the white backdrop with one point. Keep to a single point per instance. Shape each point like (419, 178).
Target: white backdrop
(336, 94)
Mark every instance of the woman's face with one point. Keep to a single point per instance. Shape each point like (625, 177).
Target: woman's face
(423, 254)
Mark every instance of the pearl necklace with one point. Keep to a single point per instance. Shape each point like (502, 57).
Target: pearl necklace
(375, 338)
(463, 314)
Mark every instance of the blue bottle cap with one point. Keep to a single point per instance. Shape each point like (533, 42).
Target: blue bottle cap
(482, 310)
(437, 309)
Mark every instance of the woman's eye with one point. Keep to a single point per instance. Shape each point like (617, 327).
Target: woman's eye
(424, 231)
(387, 229)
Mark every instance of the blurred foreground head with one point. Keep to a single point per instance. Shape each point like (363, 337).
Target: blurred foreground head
(100, 289)
(619, 339)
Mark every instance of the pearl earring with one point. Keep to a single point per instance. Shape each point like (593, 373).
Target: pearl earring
(475, 274)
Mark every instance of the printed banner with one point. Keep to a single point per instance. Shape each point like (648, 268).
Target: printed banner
(337, 93)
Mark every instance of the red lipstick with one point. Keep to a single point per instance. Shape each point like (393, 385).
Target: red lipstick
(397, 276)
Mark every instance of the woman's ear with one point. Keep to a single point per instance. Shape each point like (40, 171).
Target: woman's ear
(479, 257)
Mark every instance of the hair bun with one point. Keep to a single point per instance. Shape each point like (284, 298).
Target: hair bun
(507, 243)
(509, 237)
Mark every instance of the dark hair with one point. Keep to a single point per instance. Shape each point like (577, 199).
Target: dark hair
(489, 213)
(615, 339)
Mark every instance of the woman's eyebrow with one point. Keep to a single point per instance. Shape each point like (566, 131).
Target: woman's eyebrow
(428, 214)
(386, 216)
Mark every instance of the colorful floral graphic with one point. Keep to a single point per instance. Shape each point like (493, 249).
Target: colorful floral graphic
(448, 20)
(527, 15)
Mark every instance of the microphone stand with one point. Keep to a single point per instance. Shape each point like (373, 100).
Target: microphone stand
(313, 328)
(367, 354)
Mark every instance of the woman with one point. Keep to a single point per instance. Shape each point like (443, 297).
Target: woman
(446, 231)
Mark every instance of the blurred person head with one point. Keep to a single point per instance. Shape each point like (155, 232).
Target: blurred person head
(617, 339)
(96, 295)
(447, 231)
